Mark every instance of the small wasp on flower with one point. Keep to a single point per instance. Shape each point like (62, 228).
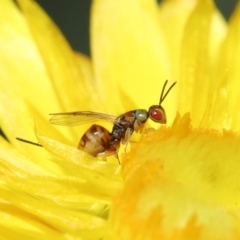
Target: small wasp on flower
(97, 140)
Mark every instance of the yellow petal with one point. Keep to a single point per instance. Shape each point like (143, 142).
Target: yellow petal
(66, 77)
(23, 75)
(177, 187)
(73, 159)
(227, 95)
(13, 163)
(16, 120)
(129, 52)
(49, 213)
(68, 192)
(173, 17)
(85, 64)
(196, 80)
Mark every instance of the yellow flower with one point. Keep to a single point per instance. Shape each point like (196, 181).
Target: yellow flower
(179, 182)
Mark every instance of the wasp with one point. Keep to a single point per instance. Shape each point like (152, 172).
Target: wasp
(97, 140)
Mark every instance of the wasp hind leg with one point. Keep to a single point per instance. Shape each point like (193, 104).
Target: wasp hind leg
(112, 149)
(109, 153)
(116, 155)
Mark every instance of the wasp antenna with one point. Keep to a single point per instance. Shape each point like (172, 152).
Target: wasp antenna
(163, 97)
(26, 141)
(163, 89)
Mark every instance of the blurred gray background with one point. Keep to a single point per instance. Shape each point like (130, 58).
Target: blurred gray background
(72, 16)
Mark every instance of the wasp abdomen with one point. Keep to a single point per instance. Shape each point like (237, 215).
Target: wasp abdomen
(95, 140)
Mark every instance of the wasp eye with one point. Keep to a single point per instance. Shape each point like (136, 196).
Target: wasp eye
(157, 114)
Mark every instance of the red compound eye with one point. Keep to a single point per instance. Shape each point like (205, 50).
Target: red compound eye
(156, 114)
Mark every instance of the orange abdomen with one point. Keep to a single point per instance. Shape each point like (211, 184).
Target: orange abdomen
(96, 140)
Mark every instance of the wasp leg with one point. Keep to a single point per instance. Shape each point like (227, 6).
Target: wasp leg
(116, 155)
(104, 158)
(126, 138)
(148, 130)
(109, 153)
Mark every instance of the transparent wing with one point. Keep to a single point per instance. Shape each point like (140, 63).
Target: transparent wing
(78, 118)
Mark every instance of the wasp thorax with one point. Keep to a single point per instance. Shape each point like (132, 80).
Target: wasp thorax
(141, 115)
(157, 114)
